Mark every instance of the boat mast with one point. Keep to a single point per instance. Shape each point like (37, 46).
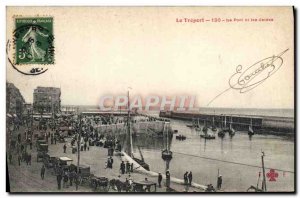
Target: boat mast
(167, 139)
(129, 139)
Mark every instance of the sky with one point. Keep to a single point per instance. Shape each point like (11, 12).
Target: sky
(102, 51)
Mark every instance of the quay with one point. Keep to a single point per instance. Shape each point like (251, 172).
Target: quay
(261, 124)
(26, 178)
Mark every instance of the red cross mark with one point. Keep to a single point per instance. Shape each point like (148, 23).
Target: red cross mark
(272, 175)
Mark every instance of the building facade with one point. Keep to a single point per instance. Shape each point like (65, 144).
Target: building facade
(46, 100)
(14, 101)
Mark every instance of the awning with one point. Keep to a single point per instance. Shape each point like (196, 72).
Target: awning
(65, 159)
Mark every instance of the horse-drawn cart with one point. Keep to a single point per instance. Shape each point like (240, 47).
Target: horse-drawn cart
(144, 186)
(49, 161)
(84, 175)
(42, 150)
(101, 183)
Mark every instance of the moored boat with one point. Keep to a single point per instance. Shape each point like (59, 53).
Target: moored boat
(250, 130)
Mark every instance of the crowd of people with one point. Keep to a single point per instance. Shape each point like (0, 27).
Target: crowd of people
(87, 137)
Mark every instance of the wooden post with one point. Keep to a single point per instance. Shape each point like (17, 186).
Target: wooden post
(264, 185)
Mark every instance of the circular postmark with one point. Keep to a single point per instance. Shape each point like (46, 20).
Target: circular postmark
(31, 49)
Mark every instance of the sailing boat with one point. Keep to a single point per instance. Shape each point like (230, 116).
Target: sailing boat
(166, 153)
(129, 149)
(205, 127)
(213, 127)
(231, 130)
(221, 133)
(206, 135)
(250, 130)
(191, 125)
(198, 128)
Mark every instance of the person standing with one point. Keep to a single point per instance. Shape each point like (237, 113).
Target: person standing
(85, 146)
(59, 178)
(122, 167)
(111, 161)
(43, 172)
(65, 180)
(185, 178)
(65, 147)
(71, 177)
(127, 167)
(168, 179)
(28, 158)
(19, 159)
(219, 186)
(190, 177)
(159, 180)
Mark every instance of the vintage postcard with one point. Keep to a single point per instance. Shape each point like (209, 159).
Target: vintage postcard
(150, 99)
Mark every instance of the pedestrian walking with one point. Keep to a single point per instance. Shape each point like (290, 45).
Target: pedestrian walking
(159, 180)
(190, 177)
(43, 172)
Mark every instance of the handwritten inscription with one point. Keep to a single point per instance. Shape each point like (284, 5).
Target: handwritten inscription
(247, 79)
(256, 74)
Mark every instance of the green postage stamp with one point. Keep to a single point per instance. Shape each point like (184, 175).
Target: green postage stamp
(33, 38)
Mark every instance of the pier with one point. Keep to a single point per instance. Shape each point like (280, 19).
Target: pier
(261, 124)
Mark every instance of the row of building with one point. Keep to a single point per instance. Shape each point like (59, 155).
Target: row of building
(46, 100)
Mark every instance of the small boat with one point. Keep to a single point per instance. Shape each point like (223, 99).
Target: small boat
(225, 128)
(232, 133)
(166, 154)
(213, 128)
(208, 136)
(180, 137)
(221, 133)
(198, 128)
